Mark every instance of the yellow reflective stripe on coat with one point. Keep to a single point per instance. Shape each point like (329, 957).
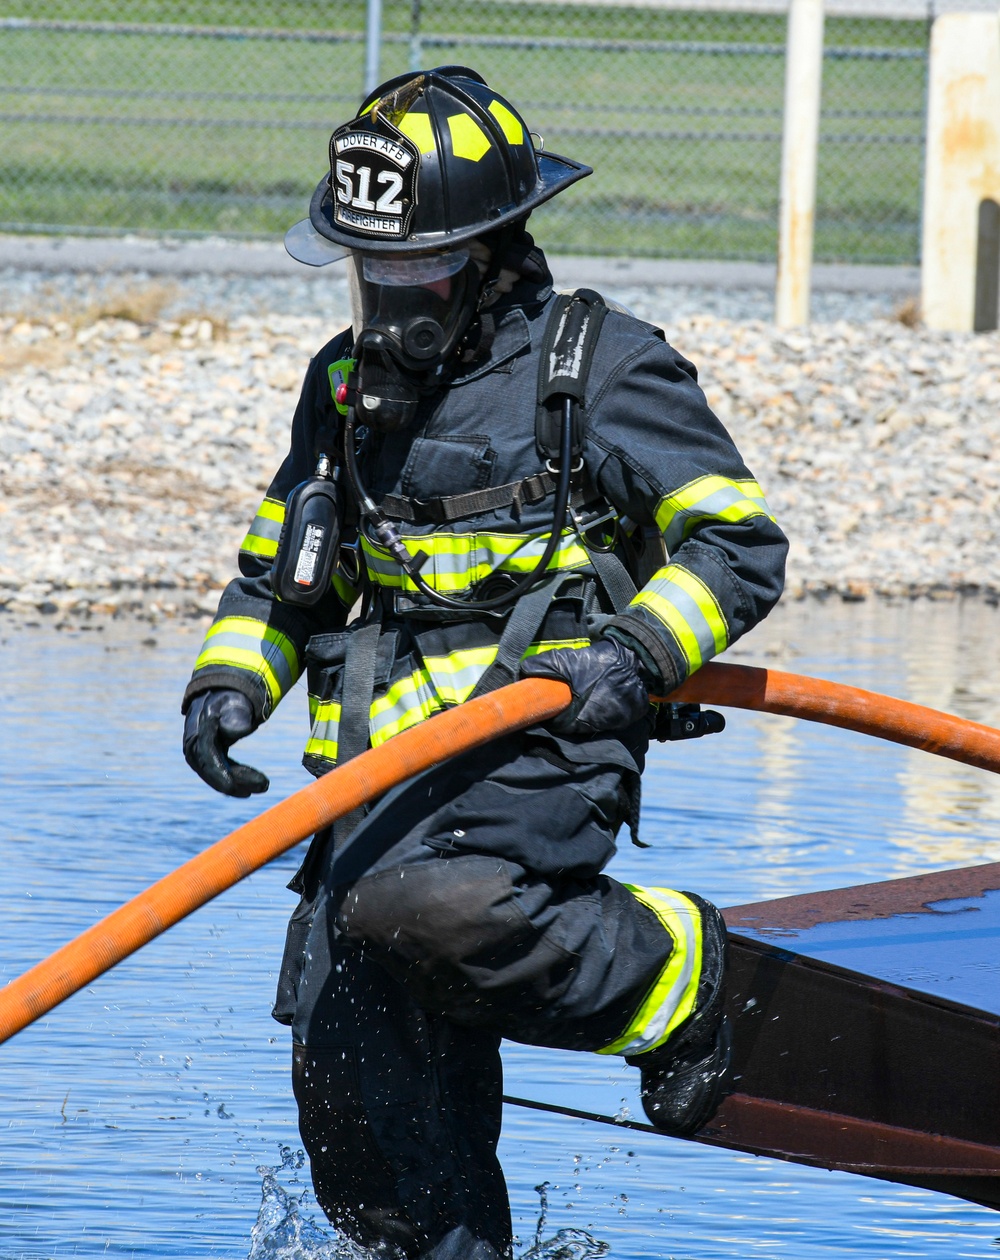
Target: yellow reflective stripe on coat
(456, 562)
(454, 677)
(443, 681)
(322, 741)
(262, 537)
(708, 498)
(672, 997)
(346, 593)
(682, 602)
(246, 643)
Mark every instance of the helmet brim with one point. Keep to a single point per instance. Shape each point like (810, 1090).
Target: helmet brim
(306, 245)
(326, 242)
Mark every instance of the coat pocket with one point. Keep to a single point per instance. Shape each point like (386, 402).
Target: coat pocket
(329, 681)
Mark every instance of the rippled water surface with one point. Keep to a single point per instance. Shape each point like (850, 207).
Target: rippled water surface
(151, 1115)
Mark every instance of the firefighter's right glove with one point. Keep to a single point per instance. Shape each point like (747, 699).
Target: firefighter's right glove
(608, 693)
(214, 722)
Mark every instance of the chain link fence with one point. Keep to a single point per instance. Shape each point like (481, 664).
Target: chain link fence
(212, 116)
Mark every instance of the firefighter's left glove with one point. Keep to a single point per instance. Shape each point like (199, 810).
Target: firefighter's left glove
(214, 722)
(608, 693)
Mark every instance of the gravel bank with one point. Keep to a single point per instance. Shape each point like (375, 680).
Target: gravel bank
(140, 420)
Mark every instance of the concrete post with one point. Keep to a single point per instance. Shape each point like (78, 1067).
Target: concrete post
(962, 173)
(800, 139)
(373, 45)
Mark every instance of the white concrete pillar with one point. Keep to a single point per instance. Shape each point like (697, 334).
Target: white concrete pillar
(800, 138)
(962, 165)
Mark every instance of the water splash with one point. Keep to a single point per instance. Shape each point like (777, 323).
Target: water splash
(567, 1244)
(283, 1231)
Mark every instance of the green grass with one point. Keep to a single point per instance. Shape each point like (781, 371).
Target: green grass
(165, 132)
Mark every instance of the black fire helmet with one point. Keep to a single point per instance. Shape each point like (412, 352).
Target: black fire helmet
(431, 160)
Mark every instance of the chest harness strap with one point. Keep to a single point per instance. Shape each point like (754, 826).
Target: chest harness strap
(564, 367)
(567, 352)
(360, 663)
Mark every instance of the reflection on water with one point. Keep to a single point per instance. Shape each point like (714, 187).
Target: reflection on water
(136, 1116)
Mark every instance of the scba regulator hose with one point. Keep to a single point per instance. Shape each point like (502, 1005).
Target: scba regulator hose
(466, 727)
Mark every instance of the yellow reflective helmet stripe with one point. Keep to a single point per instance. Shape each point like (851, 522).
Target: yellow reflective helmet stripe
(246, 643)
(468, 140)
(708, 498)
(418, 127)
(512, 129)
(262, 537)
(682, 602)
(671, 999)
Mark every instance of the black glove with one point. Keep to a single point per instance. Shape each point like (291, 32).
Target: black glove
(608, 693)
(215, 721)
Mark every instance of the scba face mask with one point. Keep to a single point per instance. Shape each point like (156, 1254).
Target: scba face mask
(409, 314)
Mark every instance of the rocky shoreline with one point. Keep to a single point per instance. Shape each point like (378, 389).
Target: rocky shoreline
(141, 420)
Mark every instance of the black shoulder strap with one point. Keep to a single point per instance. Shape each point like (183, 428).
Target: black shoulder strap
(568, 346)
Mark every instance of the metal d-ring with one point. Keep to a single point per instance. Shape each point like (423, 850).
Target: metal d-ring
(577, 467)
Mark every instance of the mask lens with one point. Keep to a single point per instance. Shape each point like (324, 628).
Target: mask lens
(421, 303)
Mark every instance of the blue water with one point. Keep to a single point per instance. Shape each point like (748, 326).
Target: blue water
(151, 1115)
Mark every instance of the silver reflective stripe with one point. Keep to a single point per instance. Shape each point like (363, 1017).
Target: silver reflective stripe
(265, 532)
(325, 729)
(456, 561)
(674, 993)
(682, 614)
(408, 701)
(454, 685)
(239, 647)
(264, 527)
(708, 498)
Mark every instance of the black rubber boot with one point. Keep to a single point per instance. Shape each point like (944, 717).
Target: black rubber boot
(685, 1080)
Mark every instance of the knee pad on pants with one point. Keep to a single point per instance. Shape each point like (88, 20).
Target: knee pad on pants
(434, 914)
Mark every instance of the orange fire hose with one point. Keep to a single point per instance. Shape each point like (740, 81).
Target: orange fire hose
(458, 730)
(814, 699)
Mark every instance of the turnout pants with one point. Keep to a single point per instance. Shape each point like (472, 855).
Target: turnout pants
(467, 906)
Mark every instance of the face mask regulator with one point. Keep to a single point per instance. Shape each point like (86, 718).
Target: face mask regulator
(409, 314)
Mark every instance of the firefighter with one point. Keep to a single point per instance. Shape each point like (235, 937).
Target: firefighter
(486, 480)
